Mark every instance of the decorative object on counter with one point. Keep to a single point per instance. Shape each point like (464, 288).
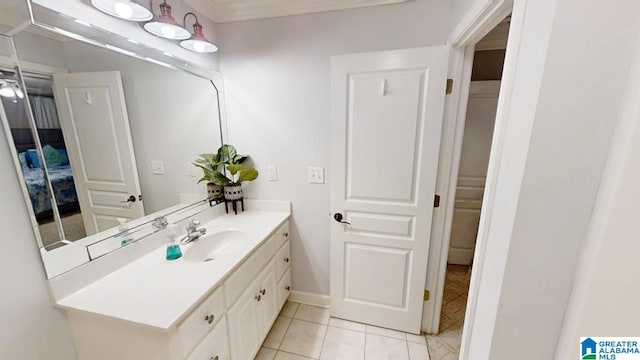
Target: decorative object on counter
(230, 162)
(210, 165)
(173, 244)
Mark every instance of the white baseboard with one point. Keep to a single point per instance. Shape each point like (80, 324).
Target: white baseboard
(309, 298)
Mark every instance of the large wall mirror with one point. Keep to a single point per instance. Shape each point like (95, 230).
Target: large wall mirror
(102, 136)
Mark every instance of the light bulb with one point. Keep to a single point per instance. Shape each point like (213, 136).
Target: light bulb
(168, 31)
(7, 91)
(123, 9)
(19, 93)
(198, 46)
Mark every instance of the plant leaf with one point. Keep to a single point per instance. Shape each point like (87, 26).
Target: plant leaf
(248, 175)
(227, 153)
(234, 168)
(220, 179)
(240, 159)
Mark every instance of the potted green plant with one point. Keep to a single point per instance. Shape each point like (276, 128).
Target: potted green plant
(210, 165)
(226, 169)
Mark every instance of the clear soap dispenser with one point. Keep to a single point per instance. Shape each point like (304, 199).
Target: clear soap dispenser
(125, 238)
(173, 244)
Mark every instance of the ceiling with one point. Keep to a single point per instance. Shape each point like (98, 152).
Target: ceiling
(221, 11)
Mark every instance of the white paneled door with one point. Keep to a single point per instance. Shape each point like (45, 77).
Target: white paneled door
(95, 125)
(387, 110)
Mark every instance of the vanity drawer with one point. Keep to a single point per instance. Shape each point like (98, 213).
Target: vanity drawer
(284, 288)
(283, 233)
(214, 346)
(283, 260)
(236, 284)
(201, 320)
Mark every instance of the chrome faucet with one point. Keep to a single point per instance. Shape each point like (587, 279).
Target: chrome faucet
(193, 233)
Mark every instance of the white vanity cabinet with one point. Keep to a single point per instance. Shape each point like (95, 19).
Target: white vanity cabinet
(253, 313)
(251, 317)
(230, 323)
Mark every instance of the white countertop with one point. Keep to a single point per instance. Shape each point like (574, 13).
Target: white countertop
(155, 292)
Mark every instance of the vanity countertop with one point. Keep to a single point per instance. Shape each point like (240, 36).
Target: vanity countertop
(152, 291)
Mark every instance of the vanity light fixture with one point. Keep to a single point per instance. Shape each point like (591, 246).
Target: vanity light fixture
(10, 89)
(123, 9)
(165, 26)
(198, 42)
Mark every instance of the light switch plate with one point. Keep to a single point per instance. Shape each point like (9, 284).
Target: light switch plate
(315, 175)
(191, 170)
(272, 173)
(157, 167)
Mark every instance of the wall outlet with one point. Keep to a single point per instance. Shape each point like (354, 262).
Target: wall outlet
(157, 167)
(272, 173)
(315, 175)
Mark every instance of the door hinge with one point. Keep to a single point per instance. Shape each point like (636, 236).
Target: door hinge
(426, 295)
(449, 89)
(436, 201)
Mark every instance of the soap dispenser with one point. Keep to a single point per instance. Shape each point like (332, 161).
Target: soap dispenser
(125, 238)
(173, 244)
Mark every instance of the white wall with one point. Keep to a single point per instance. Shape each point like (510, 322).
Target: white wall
(606, 289)
(573, 57)
(459, 9)
(173, 118)
(31, 328)
(278, 104)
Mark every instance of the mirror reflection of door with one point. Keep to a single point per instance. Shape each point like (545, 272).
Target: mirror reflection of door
(95, 123)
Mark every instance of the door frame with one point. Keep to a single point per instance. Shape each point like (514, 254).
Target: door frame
(497, 216)
(478, 22)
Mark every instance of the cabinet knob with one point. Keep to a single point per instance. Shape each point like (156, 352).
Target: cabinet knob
(286, 259)
(258, 297)
(214, 357)
(287, 287)
(286, 234)
(209, 318)
(263, 291)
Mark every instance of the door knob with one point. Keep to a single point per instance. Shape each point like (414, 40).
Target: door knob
(129, 199)
(338, 217)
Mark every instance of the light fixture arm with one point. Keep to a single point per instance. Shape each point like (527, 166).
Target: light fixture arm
(196, 24)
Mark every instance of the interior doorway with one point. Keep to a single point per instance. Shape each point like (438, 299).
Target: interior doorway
(486, 75)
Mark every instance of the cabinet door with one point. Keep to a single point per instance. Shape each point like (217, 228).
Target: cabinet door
(214, 346)
(283, 259)
(267, 285)
(284, 288)
(245, 326)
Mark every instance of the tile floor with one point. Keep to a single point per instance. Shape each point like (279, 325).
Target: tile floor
(446, 345)
(307, 332)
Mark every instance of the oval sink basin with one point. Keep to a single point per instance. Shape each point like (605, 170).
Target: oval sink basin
(216, 244)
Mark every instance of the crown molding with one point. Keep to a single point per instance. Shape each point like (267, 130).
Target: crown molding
(222, 11)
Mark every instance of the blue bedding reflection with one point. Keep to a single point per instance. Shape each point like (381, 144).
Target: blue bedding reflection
(63, 186)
